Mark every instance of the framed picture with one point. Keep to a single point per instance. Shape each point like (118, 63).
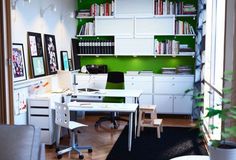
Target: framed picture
(35, 44)
(51, 53)
(70, 64)
(18, 62)
(38, 66)
(65, 61)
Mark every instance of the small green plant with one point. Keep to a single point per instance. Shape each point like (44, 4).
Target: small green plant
(224, 114)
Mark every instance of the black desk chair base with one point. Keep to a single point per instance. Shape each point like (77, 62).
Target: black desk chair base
(112, 118)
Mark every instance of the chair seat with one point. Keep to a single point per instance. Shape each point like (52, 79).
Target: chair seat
(74, 125)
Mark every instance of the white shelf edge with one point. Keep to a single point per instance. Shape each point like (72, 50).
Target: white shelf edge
(185, 35)
(185, 15)
(96, 55)
(104, 17)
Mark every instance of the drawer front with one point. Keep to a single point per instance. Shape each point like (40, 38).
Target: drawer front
(45, 137)
(172, 88)
(39, 103)
(146, 87)
(138, 78)
(40, 121)
(41, 111)
(173, 78)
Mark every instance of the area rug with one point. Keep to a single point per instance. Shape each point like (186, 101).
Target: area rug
(174, 142)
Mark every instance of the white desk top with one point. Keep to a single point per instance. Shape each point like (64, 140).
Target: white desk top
(192, 157)
(103, 107)
(111, 93)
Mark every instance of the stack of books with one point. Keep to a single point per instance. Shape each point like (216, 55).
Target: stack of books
(168, 70)
(184, 49)
(189, 9)
(184, 70)
(83, 13)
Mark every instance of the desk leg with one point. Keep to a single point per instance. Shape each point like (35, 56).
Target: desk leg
(130, 131)
(135, 124)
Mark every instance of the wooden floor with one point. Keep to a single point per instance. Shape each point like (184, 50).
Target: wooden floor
(103, 138)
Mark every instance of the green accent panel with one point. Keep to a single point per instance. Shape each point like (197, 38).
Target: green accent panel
(129, 63)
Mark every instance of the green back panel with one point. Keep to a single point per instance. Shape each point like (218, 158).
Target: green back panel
(129, 63)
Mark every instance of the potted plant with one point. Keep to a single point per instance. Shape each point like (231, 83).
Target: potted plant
(222, 149)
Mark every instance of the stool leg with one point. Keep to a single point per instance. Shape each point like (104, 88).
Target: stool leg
(158, 132)
(139, 123)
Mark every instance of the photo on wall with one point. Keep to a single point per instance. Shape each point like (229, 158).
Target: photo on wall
(51, 53)
(65, 61)
(18, 62)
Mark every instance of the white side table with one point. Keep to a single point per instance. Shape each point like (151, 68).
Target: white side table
(192, 157)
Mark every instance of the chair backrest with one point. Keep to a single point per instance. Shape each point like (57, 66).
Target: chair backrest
(115, 80)
(62, 115)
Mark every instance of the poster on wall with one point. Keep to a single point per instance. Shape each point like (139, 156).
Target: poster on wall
(36, 54)
(51, 53)
(18, 62)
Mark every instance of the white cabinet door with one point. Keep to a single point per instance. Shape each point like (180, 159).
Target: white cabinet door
(164, 103)
(110, 26)
(134, 46)
(145, 99)
(154, 26)
(183, 104)
(99, 81)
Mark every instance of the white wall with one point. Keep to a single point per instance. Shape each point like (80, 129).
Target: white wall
(26, 17)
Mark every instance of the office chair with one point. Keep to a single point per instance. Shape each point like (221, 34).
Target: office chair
(115, 80)
(63, 120)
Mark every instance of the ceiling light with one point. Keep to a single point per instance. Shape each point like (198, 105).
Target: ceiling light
(52, 7)
(14, 2)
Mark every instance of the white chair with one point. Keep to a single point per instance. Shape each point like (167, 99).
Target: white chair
(63, 120)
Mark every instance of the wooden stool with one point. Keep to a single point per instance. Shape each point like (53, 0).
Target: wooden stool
(153, 121)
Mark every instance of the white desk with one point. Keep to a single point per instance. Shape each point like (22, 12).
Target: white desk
(109, 107)
(112, 93)
(192, 157)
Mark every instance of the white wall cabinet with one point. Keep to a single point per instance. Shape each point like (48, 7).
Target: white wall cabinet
(134, 26)
(169, 94)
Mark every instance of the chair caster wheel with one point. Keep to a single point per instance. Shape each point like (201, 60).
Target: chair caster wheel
(59, 156)
(81, 156)
(90, 150)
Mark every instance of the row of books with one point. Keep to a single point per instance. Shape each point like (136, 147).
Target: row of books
(183, 27)
(96, 46)
(105, 9)
(166, 7)
(87, 29)
(167, 47)
(172, 47)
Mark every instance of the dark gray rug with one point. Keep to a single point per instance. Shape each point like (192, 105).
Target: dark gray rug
(174, 142)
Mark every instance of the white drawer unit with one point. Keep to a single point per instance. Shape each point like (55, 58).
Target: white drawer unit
(144, 83)
(170, 96)
(40, 115)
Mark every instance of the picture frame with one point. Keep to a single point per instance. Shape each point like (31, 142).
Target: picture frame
(36, 56)
(65, 61)
(70, 64)
(18, 62)
(35, 44)
(51, 53)
(38, 66)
